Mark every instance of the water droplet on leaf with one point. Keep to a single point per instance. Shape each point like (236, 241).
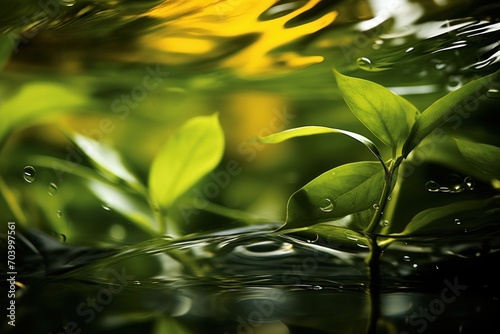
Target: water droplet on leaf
(469, 183)
(376, 206)
(432, 186)
(406, 258)
(29, 174)
(59, 213)
(105, 207)
(52, 189)
(384, 223)
(326, 205)
(457, 221)
(364, 63)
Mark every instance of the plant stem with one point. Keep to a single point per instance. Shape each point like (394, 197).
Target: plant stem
(374, 285)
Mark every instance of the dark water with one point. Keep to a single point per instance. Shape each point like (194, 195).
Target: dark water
(84, 268)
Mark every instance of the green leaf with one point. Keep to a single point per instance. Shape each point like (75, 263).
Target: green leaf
(316, 130)
(342, 191)
(126, 204)
(107, 160)
(36, 100)
(167, 325)
(443, 219)
(192, 152)
(387, 115)
(484, 157)
(5, 50)
(446, 108)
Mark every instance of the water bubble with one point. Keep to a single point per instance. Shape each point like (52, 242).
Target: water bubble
(493, 93)
(437, 267)
(29, 174)
(454, 83)
(317, 287)
(457, 188)
(364, 63)
(59, 213)
(362, 245)
(457, 221)
(137, 282)
(326, 205)
(105, 207)
(415, 265)
(469, 183)
(439, 66)
(389, 198)
(384, 223)
(406, 258)
(376, 206)
(52, 188)
(410, 49)
(432, 186)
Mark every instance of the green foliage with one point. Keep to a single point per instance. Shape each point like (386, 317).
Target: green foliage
(484, 157)
(387, 115)
(5, 50)
(443, 219)
(107, 160)
(446, 108)
(356, 187)
(316, 130)
(192, 152)
(342, 191)
(45, 99)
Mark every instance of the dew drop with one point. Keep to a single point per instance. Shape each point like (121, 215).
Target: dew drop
(364, 63)
(469, 183)
(454, 83)
(457, 221)
(59, 213)
(105, 207)
(406, 258)
(437, 267)
(410, 49)
(137, 282)
(360, 245)
(376, 206)
(432, 186)
(415, 265)
(389, 198)
(52, 189)
(493, 93)
(317, 287)
(384, 223)
(326, 205)
(457, 188)
(29, 174)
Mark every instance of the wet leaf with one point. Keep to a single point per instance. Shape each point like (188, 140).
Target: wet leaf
(387, 115)
(316, 130)
(447, 108)
(484, 157)
(107, 160)
(5, 50)
(448, 218)
(36, 100)
(192, 152)
(126, 204)
(165, 325)
(344, 190)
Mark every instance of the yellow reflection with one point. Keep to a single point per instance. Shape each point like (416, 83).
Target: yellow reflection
(199, 29)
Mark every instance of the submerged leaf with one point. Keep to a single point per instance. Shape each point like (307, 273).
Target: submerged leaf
(316, 130)
(106, 160)
(387, 115)
(484, 157)
(344, 190)
(447, 108)
(192, 152)
(37, 100)
(126, 204)
(452, 217)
